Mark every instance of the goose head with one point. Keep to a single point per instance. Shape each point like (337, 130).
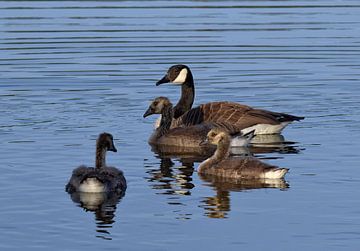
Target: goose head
(157, 106)
(176, 74)
(106, 141)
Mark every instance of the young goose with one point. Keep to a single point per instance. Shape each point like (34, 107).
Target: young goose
(237, 168)
(241, 116)
(187, 136)
(102, 178)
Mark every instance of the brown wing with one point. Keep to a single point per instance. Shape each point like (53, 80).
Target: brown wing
(226, 113)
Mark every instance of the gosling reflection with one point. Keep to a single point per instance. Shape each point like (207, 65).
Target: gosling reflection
(218, 206)
(103, 205)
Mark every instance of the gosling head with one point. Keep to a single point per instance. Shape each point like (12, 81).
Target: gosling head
(216, 136)
(106, 141)
(177, 74)
(157, 106)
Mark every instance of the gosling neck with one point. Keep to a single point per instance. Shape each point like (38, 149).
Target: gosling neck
(187, 97)
(221, 153)
(100, 157)
(167, 115)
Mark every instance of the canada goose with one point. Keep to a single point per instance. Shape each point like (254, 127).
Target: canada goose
(241, 116)
(245, 167)
(188, 136)
(102, 178)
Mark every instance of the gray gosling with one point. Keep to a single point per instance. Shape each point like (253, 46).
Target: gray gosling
(102, 178)
(185, 136)
(236, 168)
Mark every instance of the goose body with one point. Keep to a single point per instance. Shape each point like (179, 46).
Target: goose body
(101, 178)
(221, 165)
(243, 117)
(184, 135)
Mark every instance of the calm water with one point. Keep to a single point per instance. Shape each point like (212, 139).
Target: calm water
(72, 69)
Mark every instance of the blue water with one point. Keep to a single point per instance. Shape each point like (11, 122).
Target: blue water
(70, 70)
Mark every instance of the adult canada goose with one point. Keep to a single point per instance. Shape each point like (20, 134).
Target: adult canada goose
(102, 178)
(188, 136)
(237, 168)
(241, 116)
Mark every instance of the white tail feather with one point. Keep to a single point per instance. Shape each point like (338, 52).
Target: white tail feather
(275, 173)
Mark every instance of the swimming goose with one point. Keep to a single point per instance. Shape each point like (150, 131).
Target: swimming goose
(237, 168)
(241, 116)
(102, 178)
(187, 136)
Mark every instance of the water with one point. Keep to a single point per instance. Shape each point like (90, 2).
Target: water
(72, 69)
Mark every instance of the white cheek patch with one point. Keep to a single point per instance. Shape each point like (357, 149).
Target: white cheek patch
(180, 79)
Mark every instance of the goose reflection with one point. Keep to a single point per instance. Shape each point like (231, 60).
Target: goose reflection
(273, 143)
(218, 206)
(103, 205)
(260, 144)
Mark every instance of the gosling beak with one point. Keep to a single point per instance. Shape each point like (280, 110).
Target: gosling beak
(164, 80)
(204, 142)
(148, 112)
(112, 149)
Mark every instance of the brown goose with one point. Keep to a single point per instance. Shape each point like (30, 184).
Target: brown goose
(241, 116)
(102, 178)
(186, 136)
(236, 168)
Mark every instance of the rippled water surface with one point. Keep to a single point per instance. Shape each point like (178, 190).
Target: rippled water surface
(72, 69)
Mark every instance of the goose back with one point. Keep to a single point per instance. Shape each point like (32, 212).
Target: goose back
(233, 116)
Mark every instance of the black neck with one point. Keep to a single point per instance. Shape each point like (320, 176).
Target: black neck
(100, 157)
(187, 97)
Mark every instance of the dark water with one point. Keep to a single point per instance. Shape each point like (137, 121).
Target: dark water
(72, 69)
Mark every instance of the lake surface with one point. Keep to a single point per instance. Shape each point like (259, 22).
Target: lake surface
(70, 70)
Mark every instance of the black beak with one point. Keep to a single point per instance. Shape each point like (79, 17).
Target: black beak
(164, 80)
(204, 142)
(112, 149)
(148, 112)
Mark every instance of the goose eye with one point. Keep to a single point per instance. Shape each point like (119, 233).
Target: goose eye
(155, 103)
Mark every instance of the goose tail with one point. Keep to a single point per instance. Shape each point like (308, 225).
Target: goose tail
(276, 173)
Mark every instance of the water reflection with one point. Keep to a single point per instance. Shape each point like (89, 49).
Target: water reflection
(218, 206)
(103, 205)
(172, 180)
(177, 181)
(260, 144)
(273, 143)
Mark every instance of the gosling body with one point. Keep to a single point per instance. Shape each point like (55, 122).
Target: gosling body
(101, 178)
(183, 135)
(221, 165)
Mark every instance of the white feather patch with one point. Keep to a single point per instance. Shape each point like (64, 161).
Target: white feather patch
(266, 128)
(239, 141)
(157, 122)
(275, 174)
(181, 78)
(92, 185)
